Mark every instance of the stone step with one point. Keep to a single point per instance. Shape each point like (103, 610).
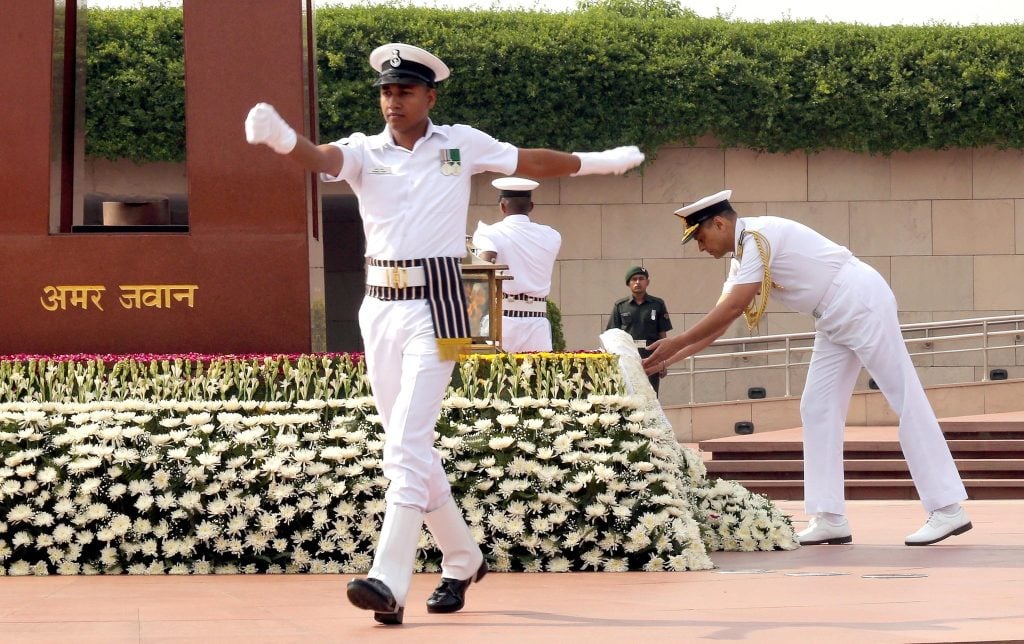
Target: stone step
(977, 468)
(883, 489)
(988, 449)
(1004, 425)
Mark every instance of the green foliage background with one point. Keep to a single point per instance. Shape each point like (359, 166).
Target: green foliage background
(612, 72)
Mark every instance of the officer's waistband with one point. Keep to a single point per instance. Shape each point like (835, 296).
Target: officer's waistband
(399, 279)
(833, 288)
(523, 314)
(523, 297)
(532, 305)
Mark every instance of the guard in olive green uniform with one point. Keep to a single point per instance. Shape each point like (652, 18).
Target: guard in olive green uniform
(641, 315)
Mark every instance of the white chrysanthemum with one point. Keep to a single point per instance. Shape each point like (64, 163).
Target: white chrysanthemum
(588, 420)
(249, 436)
(21, 539)
(178, 453)
(595, 510)
(609, 419)
(592, 558)
(580, 406)
(63, 533)
(286, 440)
(507, 420)
(303, 456)
(229, 420)
(80, 465)
(20, 513)
(458, 402)
(561, 444)
(501, 442)
(46, 475)
(120, 524)
(207, 530)
(190, 500)
(616, 564)
(161, 479)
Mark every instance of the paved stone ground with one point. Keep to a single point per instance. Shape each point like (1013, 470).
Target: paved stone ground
(968, 588)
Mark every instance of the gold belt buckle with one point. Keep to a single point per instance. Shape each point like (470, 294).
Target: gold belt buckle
(397, 277)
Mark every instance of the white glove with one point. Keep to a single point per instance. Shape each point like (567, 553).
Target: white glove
(265, 125)
(614, 161)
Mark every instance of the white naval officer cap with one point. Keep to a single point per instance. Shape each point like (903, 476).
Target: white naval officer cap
(514, 187)
(703, 209)
(402, 64)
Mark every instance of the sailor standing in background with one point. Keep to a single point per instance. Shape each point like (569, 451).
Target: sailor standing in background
(529, 250)
(413, 181)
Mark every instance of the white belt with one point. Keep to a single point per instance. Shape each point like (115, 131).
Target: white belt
(523, 305)
(640, 344)
(396, 276)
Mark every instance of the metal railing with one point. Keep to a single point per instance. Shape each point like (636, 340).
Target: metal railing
(794, 349)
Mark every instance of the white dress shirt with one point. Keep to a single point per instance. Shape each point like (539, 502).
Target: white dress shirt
(803, 262)
(411, 207)
(528, 249)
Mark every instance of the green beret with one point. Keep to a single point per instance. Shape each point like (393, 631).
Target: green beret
(636, 270)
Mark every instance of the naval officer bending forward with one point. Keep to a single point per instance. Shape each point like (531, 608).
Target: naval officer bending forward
(855, 324)
(413, 182)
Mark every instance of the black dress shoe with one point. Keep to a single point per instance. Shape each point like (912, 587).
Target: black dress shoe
(450, 594)
(374, 594)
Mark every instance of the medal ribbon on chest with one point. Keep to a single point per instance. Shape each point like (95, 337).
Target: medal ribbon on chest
(451, 161)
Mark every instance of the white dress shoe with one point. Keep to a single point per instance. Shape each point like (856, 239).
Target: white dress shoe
(939, 526)
(824, 531)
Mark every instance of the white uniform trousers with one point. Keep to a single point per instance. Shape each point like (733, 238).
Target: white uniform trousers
(859, 326)
(519, 335)
(409, 382)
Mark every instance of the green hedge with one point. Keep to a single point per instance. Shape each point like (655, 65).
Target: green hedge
(135, 85)
(626, 71)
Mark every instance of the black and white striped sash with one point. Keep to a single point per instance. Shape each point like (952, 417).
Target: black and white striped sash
(445, 294)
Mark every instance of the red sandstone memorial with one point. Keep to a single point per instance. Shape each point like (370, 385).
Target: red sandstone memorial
(237, 278)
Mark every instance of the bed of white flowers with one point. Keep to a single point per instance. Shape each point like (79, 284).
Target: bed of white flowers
(272, 465)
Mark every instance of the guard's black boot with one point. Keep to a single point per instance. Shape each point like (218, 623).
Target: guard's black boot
(450, 594)
(373, 594)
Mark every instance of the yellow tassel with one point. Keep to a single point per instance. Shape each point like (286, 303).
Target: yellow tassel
(452, 348)
(757, 306)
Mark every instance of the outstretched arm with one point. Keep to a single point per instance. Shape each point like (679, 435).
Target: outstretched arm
(700, 335)
(264, 125)
(543, 163)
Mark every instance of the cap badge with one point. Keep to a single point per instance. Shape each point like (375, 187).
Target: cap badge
(451, 161)
(396, 58)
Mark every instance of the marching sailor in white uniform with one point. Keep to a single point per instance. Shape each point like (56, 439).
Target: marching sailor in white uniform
(413, 182)
(856, 324)
(529, 250)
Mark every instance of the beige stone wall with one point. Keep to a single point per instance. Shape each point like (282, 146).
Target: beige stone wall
(945, 228)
